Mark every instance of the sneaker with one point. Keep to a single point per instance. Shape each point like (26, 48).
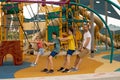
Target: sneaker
(73, 69)
(44, 70)
(66, 70)
(61, 69)
(50, 71)
(33, 64)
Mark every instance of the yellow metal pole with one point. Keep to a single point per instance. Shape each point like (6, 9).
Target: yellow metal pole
(60, 24)
(67, 16)
(21, 35)
(76, 16)
(0, 22)
(46, 22)
(4, 27)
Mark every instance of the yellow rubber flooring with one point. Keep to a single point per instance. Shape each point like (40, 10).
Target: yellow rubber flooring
(87, 66)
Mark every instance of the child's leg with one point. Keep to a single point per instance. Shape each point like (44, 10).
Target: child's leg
(37, 57)
(67, 62)
(80, 56)
(51, 62)
(41, 51)
(69, 54)
(65, 59)
(76, 60)
(78, 63)
(47, 63)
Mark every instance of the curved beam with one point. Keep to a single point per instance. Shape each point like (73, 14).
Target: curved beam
(109, 1)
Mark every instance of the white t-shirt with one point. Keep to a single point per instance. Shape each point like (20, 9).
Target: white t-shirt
(85, 36)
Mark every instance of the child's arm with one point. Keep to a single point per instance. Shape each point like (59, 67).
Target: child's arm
(33, 41)
(49, 43)
(63, 39)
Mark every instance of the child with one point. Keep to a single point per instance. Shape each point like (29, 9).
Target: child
(71, 50)
(40, 49)
(55, 51)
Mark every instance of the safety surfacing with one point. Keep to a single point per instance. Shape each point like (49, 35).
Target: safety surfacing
(90, 66)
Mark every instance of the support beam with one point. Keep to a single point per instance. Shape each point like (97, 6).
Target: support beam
(0, 21)
(41, 1)
(92, 27)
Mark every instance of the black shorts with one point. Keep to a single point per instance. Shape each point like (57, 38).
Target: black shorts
(53, 53)
(70, 52)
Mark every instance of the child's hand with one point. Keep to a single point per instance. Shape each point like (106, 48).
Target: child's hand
(58, 37)
(44, 42)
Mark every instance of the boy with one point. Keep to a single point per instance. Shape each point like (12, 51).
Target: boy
(71, 50)
(55, 51)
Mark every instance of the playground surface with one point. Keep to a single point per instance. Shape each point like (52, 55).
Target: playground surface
(99, 66)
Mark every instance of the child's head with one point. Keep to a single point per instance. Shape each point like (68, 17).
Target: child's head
(70, 31)
(54, 35)
(37, 38)
(86, 27)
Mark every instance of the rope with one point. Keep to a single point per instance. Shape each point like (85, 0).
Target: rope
(31, 16)
(21, 25)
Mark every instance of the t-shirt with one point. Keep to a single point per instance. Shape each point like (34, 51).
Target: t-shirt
(85, 36)
(56, 45)
(40, 45)
(71, 42)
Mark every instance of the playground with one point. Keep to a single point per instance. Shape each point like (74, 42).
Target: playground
(22, 21)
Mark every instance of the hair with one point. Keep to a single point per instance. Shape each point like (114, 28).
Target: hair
(71, 29)
(54, 33)
(86, 24)
(37, 37)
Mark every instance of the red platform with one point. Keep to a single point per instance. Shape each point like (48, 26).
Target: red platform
(13, 48)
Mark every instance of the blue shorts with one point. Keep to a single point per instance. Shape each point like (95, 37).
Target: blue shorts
(53, 53)
(41, 51)
(70, 52)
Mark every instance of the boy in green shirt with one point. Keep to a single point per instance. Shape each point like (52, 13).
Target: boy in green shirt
(55, 51)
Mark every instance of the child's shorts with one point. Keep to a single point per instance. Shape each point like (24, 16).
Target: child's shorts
(53, 53)
(83, 53)
(41, 51)
(70, 52)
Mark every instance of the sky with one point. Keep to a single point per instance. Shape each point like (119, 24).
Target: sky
(27, 10)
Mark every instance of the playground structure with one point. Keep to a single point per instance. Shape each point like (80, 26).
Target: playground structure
(65, 16)
(11, 48)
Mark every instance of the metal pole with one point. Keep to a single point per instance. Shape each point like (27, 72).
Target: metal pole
(106, 19)
(0, 21)
(92, 27)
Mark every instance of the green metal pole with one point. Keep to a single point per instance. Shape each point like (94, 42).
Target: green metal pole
(109, 1)
(112, 46)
